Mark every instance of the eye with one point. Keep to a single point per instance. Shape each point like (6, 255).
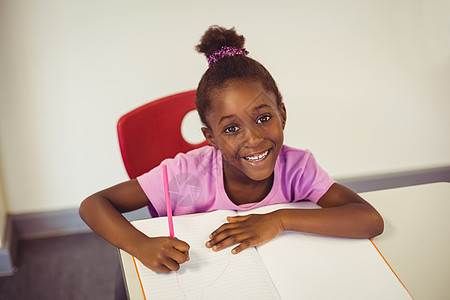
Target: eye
(263, 119)
(231, 129)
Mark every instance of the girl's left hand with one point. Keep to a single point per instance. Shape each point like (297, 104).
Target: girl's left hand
(247, 231)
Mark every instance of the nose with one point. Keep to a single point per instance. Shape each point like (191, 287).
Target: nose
(253, 136)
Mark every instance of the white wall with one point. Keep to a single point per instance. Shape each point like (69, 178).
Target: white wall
(366, 83)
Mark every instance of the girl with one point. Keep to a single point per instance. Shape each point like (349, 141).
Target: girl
(246, 166)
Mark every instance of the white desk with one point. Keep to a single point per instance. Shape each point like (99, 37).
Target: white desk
(131, 278)
(416, 240)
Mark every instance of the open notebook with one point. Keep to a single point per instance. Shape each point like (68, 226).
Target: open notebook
(291, 266)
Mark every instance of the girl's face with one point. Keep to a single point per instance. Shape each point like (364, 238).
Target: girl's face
(246, 124)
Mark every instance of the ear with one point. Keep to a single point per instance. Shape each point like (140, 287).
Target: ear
(283, 114)
(208, 136)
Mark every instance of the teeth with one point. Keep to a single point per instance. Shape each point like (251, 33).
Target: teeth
(257, 157)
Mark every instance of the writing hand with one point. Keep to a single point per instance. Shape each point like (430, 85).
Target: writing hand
(247, 231)
(163, 254)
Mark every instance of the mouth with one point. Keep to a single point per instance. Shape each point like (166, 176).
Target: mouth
(257, 157)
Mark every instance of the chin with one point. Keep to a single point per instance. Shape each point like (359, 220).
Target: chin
(260, 176)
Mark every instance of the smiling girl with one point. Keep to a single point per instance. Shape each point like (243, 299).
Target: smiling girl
(246, 166)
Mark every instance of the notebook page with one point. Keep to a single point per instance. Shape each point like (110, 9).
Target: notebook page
(208, 274)
(320, 267)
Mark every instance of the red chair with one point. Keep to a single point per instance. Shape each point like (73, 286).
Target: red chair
(151, 133)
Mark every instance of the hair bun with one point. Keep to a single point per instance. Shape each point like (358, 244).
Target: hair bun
(216, 37)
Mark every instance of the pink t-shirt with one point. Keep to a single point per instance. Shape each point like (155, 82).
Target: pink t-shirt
(196, 182)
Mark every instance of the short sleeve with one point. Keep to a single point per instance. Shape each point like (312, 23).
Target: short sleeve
(313, 181)
(152, 185)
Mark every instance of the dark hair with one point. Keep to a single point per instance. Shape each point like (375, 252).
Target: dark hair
(238, 67)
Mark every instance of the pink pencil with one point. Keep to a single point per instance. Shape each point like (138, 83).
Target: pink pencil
(168, 204)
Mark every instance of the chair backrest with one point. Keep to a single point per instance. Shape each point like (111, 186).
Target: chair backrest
(152, 132)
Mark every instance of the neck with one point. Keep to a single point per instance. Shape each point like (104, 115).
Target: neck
(242, 190)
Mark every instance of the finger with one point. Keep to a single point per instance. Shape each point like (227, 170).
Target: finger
(242, 246)
(180, 245)
(171, 264)
(236, 219)
(230, 240)
(222, 228)
(179, 257)
(161, 269)
(222, 235)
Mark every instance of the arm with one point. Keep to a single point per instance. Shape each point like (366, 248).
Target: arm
(343, 214)
(102, 212)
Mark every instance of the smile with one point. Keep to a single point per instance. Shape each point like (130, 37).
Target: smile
(257, 157)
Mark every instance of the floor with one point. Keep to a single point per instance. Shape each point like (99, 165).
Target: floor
(79, 266)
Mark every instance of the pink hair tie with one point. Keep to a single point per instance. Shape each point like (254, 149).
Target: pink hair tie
(225, 51)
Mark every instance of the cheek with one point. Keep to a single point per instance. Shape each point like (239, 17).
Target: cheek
(276, 133)
(229, 147)
(281, 135)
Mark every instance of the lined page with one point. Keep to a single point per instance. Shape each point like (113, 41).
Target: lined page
(208, 274)
(320, 267)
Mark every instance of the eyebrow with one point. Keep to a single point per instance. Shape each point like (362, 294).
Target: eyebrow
(262, 106)
(224, 118)
(254, 109)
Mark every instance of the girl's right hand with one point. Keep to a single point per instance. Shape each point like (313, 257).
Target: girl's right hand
(163, 254)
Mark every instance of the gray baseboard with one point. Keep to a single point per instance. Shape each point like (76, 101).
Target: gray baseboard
(65, 222)
(398, 179)
(8, 253)
(46, 224)
(57, 223)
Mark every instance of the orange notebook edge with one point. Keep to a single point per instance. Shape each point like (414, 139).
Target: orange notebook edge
(398, 278)
(139, 277)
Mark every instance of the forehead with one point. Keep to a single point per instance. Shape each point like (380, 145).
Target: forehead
(242, 97)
